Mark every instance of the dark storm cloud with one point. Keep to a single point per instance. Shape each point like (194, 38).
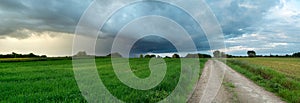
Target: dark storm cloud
(272, 23)
(40, 15)
(153, 44)
(238, 16)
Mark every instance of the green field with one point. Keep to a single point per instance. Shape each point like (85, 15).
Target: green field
(54, 81)
(278, 75)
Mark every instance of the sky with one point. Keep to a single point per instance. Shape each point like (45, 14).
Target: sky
(48, 26)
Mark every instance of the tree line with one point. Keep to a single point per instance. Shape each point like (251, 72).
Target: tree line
(16, 55)
(219, 54)
(198, 55)
(216, 54)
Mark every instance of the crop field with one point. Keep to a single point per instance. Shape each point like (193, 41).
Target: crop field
(287, 66)
(20, 59)
(278, 75)
(54, 81)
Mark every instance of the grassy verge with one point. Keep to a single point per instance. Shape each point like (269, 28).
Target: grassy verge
(271, 80)
(230, 88)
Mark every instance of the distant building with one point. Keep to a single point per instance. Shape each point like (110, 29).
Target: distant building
(81, 54)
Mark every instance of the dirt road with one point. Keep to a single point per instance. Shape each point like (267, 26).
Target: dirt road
(221, 84)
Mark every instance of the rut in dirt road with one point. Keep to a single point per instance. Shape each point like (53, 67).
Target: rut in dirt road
(221, 84)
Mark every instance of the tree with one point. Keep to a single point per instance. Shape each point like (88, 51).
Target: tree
(296, 54)
(205, 55)
(147, 56)
(217, 54)
(31, 55)
(16, 55)
(229, 56)
(175, 56)
(251, 53)
(44, 56)
(141, 56)
(153, 56)
(150, 56)
(223, 55)
(199, 55)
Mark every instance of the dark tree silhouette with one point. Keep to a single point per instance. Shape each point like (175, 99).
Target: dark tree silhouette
(147, 56)
(251, 53)
(217, 54)
(31, 55)
(150, 56)
(197, 56)
(175, 56)
(296, 54)
(167, 57)
(44, 56)
(141, 56)
(16, 55)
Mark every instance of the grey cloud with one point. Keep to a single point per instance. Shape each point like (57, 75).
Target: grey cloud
(40, 15)
(236, 17)
(138, 10)
(232, 16)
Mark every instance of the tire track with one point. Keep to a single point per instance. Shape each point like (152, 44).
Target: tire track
(210, 89)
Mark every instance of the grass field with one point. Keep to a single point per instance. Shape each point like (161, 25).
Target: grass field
(278, 75)
(53, 81)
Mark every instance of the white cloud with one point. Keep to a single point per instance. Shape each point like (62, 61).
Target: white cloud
(285, 12)
(274, 45)
(278, 31)
(238, 48)
(262, 42)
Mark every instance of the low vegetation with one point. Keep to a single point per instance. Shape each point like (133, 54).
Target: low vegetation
(230, 88)
(53, 81)
(278, 75)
